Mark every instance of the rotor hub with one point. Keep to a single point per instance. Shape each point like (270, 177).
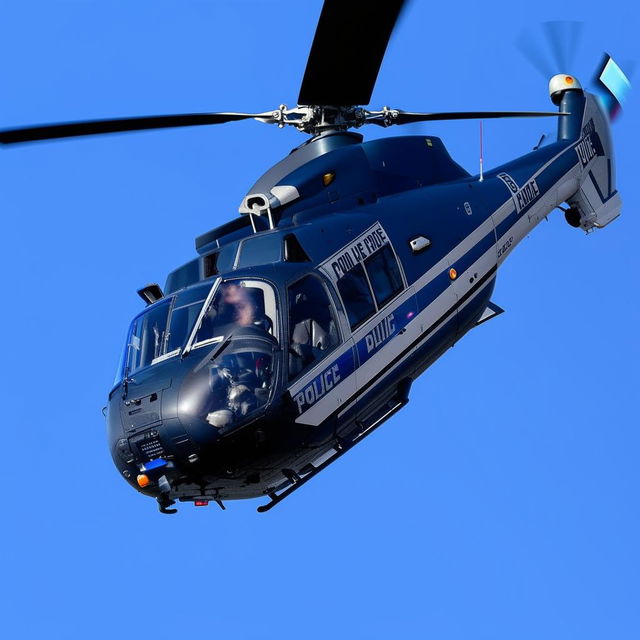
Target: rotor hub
(316, 119)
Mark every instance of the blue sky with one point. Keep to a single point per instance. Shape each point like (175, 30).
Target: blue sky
(501, 503)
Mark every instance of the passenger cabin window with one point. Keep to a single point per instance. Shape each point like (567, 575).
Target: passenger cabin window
(384, 274)
(356, 296)
(379, 279)
(313, 330)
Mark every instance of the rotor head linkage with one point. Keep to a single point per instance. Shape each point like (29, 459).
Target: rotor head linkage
(315, 119)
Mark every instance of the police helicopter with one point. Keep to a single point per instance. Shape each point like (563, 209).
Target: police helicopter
(301, 324)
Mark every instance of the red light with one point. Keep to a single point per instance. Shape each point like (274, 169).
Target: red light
(200, 503)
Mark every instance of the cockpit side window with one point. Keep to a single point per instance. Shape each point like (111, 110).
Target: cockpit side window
(184, 314)
(356, 296)
(160, 331)
(313, 330)
(148, 337)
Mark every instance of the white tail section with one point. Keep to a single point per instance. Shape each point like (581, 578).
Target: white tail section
(596, 202)
(597, 199)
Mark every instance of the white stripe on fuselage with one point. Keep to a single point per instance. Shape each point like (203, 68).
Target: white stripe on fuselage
(507, 208)
(444, 303)
(516, 232)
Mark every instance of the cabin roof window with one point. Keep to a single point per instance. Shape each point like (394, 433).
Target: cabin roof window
(211, 264)
(182, 277)
(261, 249)
(220, 261)
(293, 251)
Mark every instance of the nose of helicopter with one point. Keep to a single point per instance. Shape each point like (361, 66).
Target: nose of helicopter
(165, 426)
(144, 428)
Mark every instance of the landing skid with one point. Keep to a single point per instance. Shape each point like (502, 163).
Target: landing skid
(297, 481)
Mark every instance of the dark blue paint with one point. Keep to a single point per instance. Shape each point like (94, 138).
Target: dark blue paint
(475, 252)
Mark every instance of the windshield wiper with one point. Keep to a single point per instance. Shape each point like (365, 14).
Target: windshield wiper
(221, 347)
(215, 353)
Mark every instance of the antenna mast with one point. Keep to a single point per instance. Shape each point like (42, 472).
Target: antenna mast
(481, 159)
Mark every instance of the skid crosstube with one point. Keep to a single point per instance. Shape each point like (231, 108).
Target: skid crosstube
(400, 400)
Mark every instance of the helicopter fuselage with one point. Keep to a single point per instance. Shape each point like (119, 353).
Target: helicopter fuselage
(330, 358)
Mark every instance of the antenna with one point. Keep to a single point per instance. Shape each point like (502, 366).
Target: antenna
(481, 159)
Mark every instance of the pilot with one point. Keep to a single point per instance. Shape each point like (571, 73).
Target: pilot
(231, 308)
(238, 305)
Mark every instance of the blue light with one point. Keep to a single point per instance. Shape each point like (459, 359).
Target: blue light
(155, 464)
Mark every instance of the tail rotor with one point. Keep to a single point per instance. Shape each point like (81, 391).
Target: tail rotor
(553, 50)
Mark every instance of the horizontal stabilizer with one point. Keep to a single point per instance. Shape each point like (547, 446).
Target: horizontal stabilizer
(491, 311)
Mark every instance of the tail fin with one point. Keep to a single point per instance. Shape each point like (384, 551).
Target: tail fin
(597, 201)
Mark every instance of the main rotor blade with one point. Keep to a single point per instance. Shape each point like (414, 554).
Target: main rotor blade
(347, 51)
(93, 127)
(407, 117)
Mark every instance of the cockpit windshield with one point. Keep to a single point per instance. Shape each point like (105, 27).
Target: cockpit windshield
(161, 331)
(237, 337)
(232, 381)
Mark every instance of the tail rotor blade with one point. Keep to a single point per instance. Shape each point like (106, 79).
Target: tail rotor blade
(555, 50)
(531, 49)
(563, 37)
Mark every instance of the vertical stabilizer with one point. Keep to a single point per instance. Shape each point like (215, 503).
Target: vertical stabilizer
(597, 201)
